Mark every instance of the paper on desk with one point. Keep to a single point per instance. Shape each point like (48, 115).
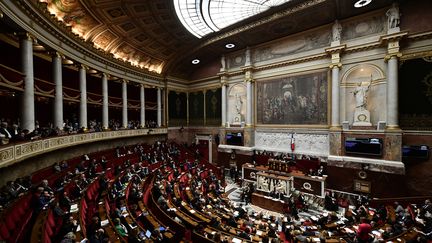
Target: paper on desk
(74, 208)
(104, 223)
(235, 240)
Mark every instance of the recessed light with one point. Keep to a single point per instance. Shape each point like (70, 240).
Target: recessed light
(195, 61)
(362, 3)
(230, 45)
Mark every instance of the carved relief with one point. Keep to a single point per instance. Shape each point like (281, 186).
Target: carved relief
(365, 27)
(304, 143)
(6, 154)
(292, 45)
(32, 148)
(236, 60)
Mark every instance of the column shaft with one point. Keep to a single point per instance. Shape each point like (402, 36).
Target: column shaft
(105, 108)
(223, 105)
(249, 103)
(83, 99)
(335, 121)
(124, 98)
(142, 107)
(392, 93)
(28, 104)
(58, 96)
(159, 107)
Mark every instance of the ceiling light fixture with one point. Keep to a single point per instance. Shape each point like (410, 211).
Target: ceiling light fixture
(195, 61)
(230, 45)
(362, 3)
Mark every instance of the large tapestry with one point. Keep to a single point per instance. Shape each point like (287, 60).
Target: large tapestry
(213, 107)
(177, 108)
(196, 108)
(293, 100)
(415, 92)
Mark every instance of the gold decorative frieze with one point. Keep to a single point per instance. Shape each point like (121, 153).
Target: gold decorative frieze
(14, 153)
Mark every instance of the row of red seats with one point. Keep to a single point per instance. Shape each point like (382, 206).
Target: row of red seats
(15, 220)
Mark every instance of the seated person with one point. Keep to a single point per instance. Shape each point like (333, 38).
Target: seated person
(363, 232)
(121, 229)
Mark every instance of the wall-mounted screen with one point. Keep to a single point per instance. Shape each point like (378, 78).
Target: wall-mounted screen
(415, 151)
(363, 146)
(234, 138)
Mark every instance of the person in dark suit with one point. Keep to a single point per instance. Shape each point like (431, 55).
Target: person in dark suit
(4, 133)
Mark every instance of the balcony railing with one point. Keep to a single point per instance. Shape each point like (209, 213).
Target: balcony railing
(10, 154)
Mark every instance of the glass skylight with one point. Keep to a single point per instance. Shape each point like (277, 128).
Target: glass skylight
(202, 17)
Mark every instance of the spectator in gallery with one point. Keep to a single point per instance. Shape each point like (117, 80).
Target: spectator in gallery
(4, 133)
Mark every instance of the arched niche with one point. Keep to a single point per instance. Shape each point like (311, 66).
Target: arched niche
(235, 92)
(363, 74)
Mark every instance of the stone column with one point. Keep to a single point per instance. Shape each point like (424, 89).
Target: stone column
(58, 96)
(392, 93)
(159, 107)
(335, 53)
(249, 98)
(28, 109)
(210, 146)
(224, 101)
(187, 108)
(124, 106)
(335, 120)
(142, 106)
(393, 53)
(105, 108)
(83, 99)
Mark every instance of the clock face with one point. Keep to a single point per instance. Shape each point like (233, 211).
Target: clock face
(361, 117)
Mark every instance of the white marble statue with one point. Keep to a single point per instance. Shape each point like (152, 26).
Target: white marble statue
(336, 31)
(223, 63)
(361, 113)
(247, 57)
(393, 16)
(361, 94)
(238, 103)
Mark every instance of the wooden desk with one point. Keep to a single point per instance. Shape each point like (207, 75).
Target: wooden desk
(308, 184)
(267, 203)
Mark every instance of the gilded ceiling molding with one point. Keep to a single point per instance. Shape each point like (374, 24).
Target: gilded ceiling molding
(82, 23)
(64, 37)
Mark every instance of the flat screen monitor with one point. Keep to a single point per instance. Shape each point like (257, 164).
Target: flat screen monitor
(234, 138)
(363, 146)
(415, 151)
(148, 234)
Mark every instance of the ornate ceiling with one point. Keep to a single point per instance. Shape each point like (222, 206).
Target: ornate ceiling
(148, 34)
